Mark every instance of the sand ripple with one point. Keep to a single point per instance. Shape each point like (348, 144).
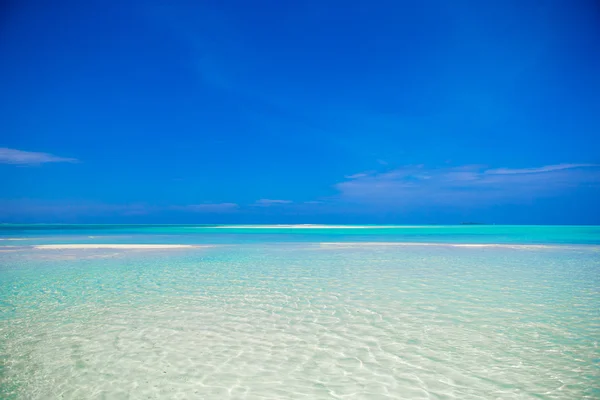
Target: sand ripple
(287, 322)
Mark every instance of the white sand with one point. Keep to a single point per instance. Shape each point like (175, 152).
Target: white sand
(114, 246)
(477, 245)
(315, 226)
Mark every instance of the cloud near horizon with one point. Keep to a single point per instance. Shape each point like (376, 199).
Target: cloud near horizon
(208, 207)
(464, 185)
(36, 208)
(271, 202)
(41, 208)
(409, 187)
(20, 157)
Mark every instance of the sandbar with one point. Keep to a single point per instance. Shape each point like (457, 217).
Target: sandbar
(115, 246)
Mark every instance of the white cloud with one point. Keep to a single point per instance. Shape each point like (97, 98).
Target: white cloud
(19, 157)
(548, 168)
(42, 208)
(208, 208)
(45, 208)
(359, 175)
(270, 202)
(465, 185)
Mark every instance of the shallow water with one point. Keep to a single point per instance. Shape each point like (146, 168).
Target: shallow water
(301, 320)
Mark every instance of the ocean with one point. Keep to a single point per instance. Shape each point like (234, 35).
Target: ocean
(299, 312)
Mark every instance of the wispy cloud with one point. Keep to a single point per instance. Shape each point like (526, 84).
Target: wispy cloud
(465, 185)
(43, 208)
(271, 202)
(208, 208)
(360, 175)
(20, 157)
(548, 168)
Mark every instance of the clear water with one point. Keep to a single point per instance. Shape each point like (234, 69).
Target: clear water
(316, 314)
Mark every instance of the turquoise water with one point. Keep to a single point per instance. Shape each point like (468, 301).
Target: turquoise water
(520, 234)
(300, 313)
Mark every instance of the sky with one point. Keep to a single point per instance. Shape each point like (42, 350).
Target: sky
(234, 111)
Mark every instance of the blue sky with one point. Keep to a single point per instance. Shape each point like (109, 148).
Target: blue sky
(300, 112)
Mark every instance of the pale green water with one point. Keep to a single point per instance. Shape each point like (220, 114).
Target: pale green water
(260, 318)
